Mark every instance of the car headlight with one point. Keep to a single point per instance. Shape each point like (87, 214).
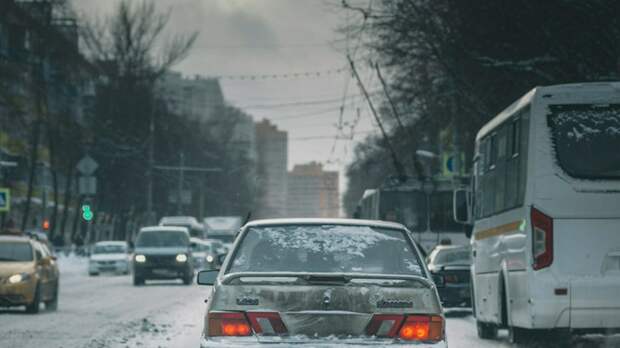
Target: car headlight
(181, 258)
(140, 258)
(210, 258)
(18, 278)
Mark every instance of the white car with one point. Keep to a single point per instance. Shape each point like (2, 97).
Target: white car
(109, 256)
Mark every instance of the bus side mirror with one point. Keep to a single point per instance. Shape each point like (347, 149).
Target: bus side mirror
(461, 203)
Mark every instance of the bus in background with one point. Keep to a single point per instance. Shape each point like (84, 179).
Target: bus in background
(545, 208)
(425, 207)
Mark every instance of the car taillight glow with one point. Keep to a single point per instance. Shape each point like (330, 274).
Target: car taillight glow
(542, 239)
(422, 328)
(267, 323)
(228, 324)
(410, 328)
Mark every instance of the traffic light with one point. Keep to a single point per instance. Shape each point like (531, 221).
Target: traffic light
(46, 225)
(87, 213)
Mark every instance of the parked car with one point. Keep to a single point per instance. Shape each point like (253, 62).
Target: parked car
(321, 281)
(163, 252)
(450, 267)
(109, 256)
(28, 274)
(204, 255)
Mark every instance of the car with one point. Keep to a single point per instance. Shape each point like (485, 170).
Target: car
(204, 254)
(163, 252)
(109, 256)
(333, 281)
(450, 267)
(195, 228)
(28, 274)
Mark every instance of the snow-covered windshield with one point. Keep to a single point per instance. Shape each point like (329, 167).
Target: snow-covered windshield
(109, 249)
(162, 239)
(326, 248)
(15, 252)
(586, 140)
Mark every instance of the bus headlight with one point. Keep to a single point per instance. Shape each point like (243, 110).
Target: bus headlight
(140, 258)
(210, 258)
(181, 258)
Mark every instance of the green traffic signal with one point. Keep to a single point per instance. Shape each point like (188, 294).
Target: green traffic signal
(87, 213)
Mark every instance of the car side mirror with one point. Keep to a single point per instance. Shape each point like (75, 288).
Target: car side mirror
(461, 206)
(207, 277)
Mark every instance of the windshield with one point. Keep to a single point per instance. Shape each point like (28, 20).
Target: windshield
(162, 239)
(15, 252)
(109, 249)
(586, 139)
(326, 248)
(406, 207)
(451, 257)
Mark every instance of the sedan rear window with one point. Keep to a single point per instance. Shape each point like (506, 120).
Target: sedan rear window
(326, 249)
(15, 252)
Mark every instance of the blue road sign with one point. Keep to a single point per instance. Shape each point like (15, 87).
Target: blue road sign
(5, 199)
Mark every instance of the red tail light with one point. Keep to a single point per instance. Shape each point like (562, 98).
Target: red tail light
(422, 328)
(542, 239)
(267, 323)
(228, 324)
(410, 328)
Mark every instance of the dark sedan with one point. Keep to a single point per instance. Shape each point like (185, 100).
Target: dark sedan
(450, 266)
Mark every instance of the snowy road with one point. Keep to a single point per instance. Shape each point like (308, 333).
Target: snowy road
(108, 311)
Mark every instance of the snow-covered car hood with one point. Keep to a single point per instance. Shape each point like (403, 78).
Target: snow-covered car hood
(162, 251)
(109, 257)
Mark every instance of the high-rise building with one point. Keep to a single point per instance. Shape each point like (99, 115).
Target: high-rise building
(196, 98)
(313, 192)
(272, 151)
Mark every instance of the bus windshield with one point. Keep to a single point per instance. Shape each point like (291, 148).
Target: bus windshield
(441, 213)
(586, 140)
(406, 207)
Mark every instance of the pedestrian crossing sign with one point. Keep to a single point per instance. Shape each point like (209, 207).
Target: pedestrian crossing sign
(5, 199)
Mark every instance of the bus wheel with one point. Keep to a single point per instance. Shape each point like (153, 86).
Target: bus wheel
(486, 331)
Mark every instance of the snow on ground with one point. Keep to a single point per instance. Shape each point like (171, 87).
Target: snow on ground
(108, 311)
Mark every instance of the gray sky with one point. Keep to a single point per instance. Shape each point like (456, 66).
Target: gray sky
(267, 37)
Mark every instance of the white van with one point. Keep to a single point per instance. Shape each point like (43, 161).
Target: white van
(545, 210)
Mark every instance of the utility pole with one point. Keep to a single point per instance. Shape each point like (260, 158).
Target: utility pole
(151, 160)
(180, 188)
(400, 170)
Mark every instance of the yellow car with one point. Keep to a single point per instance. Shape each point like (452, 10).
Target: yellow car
(28, 274)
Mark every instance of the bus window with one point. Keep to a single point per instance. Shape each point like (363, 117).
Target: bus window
(586, 139)
(406, 207)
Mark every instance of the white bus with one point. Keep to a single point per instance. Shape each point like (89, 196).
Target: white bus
(545, 209)
(425, 207)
